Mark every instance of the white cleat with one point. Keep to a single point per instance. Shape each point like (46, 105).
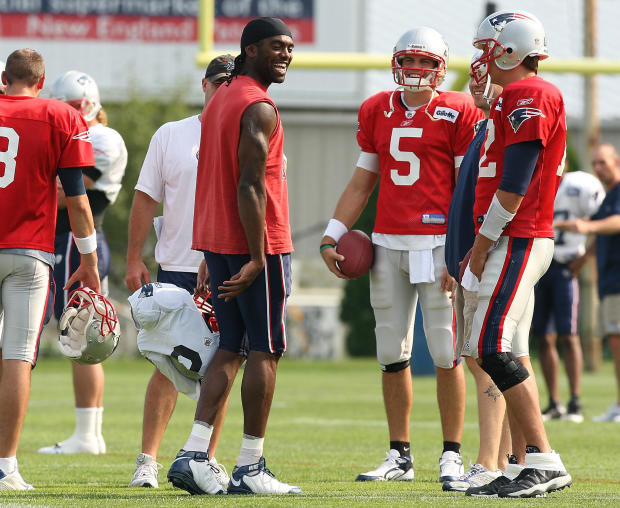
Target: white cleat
(89, 445)
(145, 474)
(394, 468)
(612, 414)
(450, 467)
(13, 481)
(220, 473)
(477, 476)
(101, 443)
(257, 479)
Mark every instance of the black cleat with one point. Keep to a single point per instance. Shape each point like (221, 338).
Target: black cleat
(490, 489)
(535, 483)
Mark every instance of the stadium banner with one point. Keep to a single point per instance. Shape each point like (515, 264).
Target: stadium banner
(145, 20)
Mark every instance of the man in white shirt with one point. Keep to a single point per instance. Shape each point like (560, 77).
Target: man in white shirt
(169, 175)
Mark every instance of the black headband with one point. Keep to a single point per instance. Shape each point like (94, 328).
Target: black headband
(262, 28)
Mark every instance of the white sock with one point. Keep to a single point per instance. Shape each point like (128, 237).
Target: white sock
(8, 464)
(99, 421)
(251, 450)
(85, 422)
(199, 438)
(549, 461)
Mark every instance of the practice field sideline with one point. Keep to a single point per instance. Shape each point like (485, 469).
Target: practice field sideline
(326, 426)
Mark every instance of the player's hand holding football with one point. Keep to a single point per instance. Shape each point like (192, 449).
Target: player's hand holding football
(239, 282)
(331, 257)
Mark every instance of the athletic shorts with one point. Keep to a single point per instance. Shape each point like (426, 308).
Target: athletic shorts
(394, 299)
(185, 280)
(609, 315)
(511, 271)
(557, 301)
(260, 311)
(25, 305)
(68, 261)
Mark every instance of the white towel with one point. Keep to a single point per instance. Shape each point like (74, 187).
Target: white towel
(469, 281)
(421, 266)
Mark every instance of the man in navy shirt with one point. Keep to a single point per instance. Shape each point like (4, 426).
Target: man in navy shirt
(605, 224)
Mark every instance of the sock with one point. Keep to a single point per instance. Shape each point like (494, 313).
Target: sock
(85, 422)
(402, 447)
(251, 450)
(552, 403)
(532, 449)
(198, 440)
(8, 464)
(99, 421)
(451, 446)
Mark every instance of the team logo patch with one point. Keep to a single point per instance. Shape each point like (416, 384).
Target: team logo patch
(443, 113)
(524, 102)
(409, 114)
(520, 115)
(501, 20)
(83, 136)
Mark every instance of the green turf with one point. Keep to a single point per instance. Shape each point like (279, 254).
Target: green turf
(327, 425)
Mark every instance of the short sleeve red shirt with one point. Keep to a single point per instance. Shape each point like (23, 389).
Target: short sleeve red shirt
(527, 110)
(37, 136)
(418, 152)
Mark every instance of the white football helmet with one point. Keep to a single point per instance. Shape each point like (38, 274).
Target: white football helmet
(426, 42)
(89, 327)
(508, 37)
(80, 91)
(2, 87)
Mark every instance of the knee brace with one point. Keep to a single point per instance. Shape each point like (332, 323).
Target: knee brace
(505, 369)
(395, 367)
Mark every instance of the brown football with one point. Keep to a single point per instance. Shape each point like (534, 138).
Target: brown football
(358, 253)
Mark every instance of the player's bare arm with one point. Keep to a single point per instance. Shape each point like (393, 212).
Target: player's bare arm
(257, 124)
(140, 219)
(607, 226)
(348, 210)
(202, 278)
(82, 225)
(579, 262)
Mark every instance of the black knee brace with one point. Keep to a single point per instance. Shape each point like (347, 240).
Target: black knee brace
(395, 367)
(505, 369)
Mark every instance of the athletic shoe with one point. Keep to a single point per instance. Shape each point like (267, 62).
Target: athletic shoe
(554, 411)
(192, 472)
(612, 414)
(89, 445)
(394, 468)
(490, 489)
(257, 479)
(220, 473)
(477, 476)
(145, 474)
(535, 483)
(450, 467)
(13, 481)
(101, 443)
(573, 413)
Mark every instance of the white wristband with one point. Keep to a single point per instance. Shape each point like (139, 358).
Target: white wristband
(335, 229)
(86, 245)
(496, 220)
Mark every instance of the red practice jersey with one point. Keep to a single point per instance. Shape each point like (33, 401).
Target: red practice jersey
(527, 110)
(217, 225)
(417, 158)
(37, 136)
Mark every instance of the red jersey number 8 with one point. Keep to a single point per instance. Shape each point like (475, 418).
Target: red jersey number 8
(8, 156)
(410, 157)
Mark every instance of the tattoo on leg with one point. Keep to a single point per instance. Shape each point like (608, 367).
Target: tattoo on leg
(493, 392)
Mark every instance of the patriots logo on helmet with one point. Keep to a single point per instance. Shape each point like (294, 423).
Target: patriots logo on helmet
(501, 20)
(520, 115)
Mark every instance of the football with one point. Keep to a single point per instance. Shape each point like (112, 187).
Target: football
(358, 253)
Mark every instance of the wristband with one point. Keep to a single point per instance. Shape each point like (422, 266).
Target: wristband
(88, 244)
(327, 246)
(496, 220)
(335, 229)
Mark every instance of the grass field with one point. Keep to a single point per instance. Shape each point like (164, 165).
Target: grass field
(327, 425)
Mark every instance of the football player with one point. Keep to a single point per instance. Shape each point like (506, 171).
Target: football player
(41, 138)
(103, 183)
(557, 294)
(412, 141)
(521, 163)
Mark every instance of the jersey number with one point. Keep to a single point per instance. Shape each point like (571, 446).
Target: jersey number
(560, 215)
(8, 156)
(414, 163)
(489, 170)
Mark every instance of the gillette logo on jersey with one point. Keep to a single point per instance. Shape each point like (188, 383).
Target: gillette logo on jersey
(547, 124)
(446, 114)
